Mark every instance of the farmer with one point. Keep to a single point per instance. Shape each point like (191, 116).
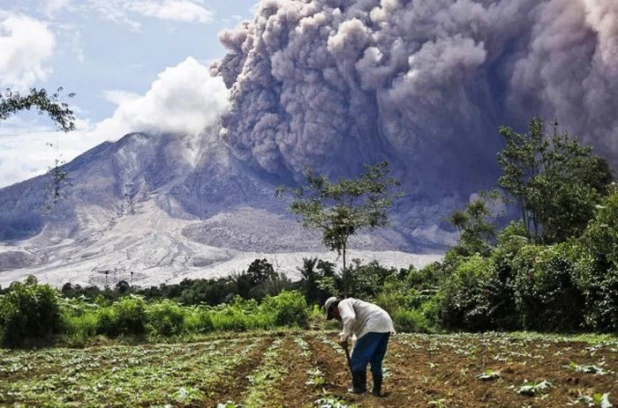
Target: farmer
(372, 327)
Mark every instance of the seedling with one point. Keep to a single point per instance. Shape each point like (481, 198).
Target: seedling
(304, 346)
(489, 375)
(187, 394)
(590, 369)
(597, 400)
(229, 404)
(316, 377)
(441, 403)
(331, 402)
(531, 388)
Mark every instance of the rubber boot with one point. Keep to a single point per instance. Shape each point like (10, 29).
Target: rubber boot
(377, 385)
(359, 382)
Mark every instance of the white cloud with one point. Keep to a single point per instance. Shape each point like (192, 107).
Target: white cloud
(120, 97)
(183, 99)
(124, 11)
(25, 45)
(113, 10)
(70, 41)
(52, 7)
(173, 10)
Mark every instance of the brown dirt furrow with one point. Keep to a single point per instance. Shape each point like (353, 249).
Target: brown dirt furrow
(336, 373)
(230, 386)
(293, 390)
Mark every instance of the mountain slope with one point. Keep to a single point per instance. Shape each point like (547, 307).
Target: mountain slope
(163, 207)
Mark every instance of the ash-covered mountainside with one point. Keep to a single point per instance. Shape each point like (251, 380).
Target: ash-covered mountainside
(163, 207)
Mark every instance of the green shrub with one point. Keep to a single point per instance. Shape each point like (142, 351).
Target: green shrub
(29, 311)
(598, 281)
(395, 294)
(199, 320)
(597, 266)
(287, 309)
(131, 315)
(107, 322)
(546, 293)
(499, 286)
(166, 318)
(231, 319)
(80, 328)
(126, 316)
(463, 298)
(411, 321)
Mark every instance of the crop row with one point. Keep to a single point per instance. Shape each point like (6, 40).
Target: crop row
(166, 374)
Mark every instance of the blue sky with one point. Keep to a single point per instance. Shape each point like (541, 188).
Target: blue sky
(133, 64)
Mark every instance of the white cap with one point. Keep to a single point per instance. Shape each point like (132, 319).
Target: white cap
(329, 302)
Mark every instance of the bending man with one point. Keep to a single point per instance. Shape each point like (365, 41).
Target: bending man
(372, 327)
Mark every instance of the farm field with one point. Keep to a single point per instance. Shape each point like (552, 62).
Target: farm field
(308, 369)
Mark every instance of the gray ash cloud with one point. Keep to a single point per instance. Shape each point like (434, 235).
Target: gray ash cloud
(423, 83)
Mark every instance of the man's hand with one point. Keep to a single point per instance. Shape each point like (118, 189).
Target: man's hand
(344, 344)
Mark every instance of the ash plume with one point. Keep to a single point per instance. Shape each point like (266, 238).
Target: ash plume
(422, 83)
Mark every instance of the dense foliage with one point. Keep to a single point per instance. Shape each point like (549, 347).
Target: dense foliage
(553, 269)
(29, 310)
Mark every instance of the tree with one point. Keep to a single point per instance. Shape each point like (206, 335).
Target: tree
(58, 111)
(476, 232)
(260, 271)
(315, 273)
(340, 209)
(555, 180)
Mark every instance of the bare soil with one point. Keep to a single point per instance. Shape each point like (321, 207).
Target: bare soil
(436, 371)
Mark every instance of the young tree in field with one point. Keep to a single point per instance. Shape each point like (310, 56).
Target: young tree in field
(340, 209)
(476, 231)
(57, 110)
(555, 180)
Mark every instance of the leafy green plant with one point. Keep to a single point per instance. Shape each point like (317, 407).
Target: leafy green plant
(546, 294)
(126, 316)
(489, 375)
(411, 321)
(229, 404)
(166, 318)
(289, 308)
(590, 369)
(303, 345)
(187, 394)
(331, 402)
(316, 377)
(596, 400)
(532, 388)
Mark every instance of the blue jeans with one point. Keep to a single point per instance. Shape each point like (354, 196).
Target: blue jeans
(370, 348)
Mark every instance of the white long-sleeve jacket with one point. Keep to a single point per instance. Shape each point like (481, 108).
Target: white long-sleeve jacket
(360, 317)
